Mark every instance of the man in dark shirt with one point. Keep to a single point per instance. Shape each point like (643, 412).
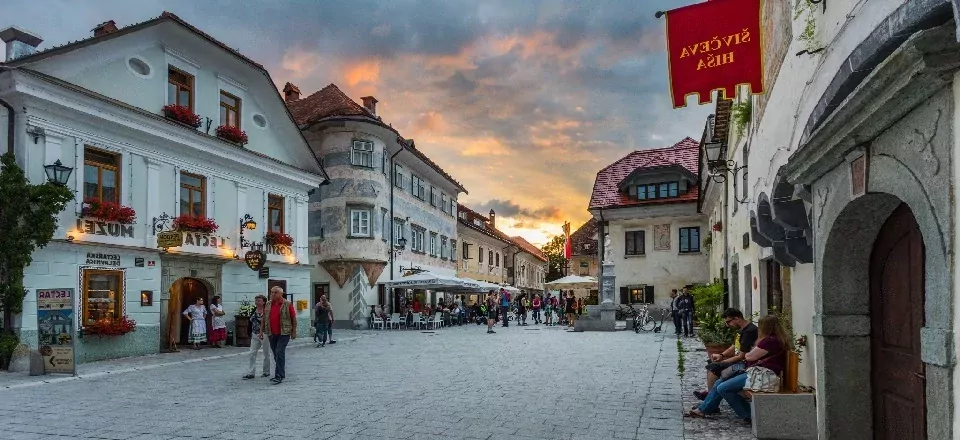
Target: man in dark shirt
(744, 342)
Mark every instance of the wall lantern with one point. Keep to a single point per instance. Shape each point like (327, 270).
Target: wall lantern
(718, 166)
(399, 247)
(248, 223)
(58, 173)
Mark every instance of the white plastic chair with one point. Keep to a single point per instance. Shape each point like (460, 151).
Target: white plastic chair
(417, 320)
(378, 322)
(436, 322)
(394, 320)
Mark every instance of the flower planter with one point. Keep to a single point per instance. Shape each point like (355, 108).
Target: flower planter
(278, 239)
(186, 223)
(181, 114)
(107, 211)
(232, 134)
(713, 349)
(241, 326)
(110, 327)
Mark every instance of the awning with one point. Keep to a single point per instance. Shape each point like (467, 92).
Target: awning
(472, 285)
(573, 282)
(428, 280)
(510, 289)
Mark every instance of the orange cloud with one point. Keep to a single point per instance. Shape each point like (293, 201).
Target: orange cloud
(300, 63)
(364, 72)
(429, 122)
(485, 147)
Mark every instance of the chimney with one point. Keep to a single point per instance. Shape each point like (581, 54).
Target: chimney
(370, 103)
(290, 92)
(493, 219)
(19, 42)
(107, 27)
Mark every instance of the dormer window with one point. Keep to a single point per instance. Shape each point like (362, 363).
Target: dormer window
(653, 191)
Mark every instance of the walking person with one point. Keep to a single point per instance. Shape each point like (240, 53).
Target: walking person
(491, 311)
(675, 311)
(197, 314)
(257, 344)
(330, 325)
(321, 321)
(548, 309)
(536, 304)
(522, 309)
(505, 306)
(686, 312)
(569, 309)
(218, 336)
(280, 326)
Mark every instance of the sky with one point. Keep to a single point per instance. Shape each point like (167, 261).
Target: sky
(523, 102)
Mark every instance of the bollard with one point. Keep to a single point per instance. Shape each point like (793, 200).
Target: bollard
(36, 364)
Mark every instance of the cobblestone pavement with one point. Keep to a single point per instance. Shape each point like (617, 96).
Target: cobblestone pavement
(457, 383)
(723, 426)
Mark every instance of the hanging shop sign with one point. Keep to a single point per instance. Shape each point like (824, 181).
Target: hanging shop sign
(98, 259)
(255, 260)
(169, 239)
(55, 325)
(109, 229)
(714, 45)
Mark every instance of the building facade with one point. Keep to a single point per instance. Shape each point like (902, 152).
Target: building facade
(96, 106)
(526, 267)
(652, 194)
(584, 246)
(844, 219)
(388, 210)
(484, 249)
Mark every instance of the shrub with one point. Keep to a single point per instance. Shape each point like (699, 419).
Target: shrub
(8, 345)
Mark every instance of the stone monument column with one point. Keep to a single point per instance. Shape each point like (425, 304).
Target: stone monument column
(607, 277)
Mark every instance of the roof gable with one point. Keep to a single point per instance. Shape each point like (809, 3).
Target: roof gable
(606, 191)
(529, 248)
(328, 101)
(584, 240)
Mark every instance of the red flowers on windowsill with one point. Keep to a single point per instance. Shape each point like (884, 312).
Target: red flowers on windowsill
(107, 211)
(187, 223)
(278, 238)
(110, 327)
(232, 134)
(718, 226)
(181, 114)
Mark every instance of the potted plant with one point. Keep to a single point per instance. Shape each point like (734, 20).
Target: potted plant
(181, 114)
(107, 211)
(110, 327)
(232, 134)
(188, 223)
(241, 323)
(278, 239)
(718, 226)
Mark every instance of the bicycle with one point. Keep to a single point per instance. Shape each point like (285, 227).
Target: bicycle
(625, 312)
(644, 320)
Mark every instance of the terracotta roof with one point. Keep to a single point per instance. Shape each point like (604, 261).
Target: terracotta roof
(288, 87)
(331, 102)
(585, 236)
(721, 120)
(485, 229)
(606, 192)
(529, 248)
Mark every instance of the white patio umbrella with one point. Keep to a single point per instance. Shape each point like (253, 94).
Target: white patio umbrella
(510, 289)
(572, 282)
(472, 285)
(427, 280)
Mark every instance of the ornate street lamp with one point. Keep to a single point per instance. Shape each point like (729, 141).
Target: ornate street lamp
(399, 247)
(718, 166)
(58, 173)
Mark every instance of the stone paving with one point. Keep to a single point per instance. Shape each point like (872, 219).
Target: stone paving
(723, 426)
(456, 383)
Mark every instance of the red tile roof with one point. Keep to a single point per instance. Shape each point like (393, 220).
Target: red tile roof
(606, 192)
(329, 101)
(583, 237)
(485, 229)
(529, 248)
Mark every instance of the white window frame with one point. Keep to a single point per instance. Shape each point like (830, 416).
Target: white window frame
(398, 176)
(397, 231)
(433, 244)
(433, 197)
(383, 162)
(363, 224)
(385, 226)
(443, 247)
(453, 250)
(361, 154)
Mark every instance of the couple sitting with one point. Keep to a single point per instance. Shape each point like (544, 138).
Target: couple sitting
(765, 347)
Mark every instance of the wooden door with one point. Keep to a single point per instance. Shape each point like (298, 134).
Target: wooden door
(896, 314)
(190, 290)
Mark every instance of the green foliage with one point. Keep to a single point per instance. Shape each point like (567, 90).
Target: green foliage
(708, 298)
(8, 344)
(714, 331)
(708, 242)
(28, 219)
(554, 252)
(740, 113)
(680, 358)
(809, 34)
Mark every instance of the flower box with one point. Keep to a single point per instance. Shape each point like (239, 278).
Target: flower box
(278, 239)
(110, 327)
(187, 223)
(107, 211)
(718, 227)
(232, 134)
(181, 114)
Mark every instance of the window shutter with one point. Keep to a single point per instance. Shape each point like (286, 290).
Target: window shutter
(628, 238)
(648, 294)
(624, 296)
(633, 191)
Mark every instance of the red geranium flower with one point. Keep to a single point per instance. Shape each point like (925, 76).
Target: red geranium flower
(232, 134)
(278, 238)
(111, 327)
(195, 224)
(181, 113)
(108, 211)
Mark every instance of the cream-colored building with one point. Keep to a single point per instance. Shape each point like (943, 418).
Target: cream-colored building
(483, 247)
(583, 243)
(526, 267)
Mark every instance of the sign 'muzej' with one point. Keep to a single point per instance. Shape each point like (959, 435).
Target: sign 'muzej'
(714, 45)
(109, 229)
(55, 325)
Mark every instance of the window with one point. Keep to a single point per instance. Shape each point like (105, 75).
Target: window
(101, 175)
(433, 196)
(657, 191)
(416, 234)
(466, 251)
(498, 259)
(636, 294)
(453, 250)
(689, 240)
(443, 203)
(275, 213)
(635, 242)
(229, 110)
(383, 162)
(102, 294)
(584, 268)
(480, 255)
(490, 257)
(397, 231)
(398, 177)
(433, 244)
(385, 226)
(443, 247)
(360, 222)
(417, 187)
(179, 88)
(362, 155)
(193, 195)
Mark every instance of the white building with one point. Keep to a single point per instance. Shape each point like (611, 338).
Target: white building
(848, 208)
(95, 105)
(652, 194)
(383, 193)
(526, 267)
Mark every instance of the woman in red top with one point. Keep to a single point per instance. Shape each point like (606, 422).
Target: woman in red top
(537, 304)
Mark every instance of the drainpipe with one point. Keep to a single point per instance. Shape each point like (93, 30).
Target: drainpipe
(11, 119)
(393, 228)
(726, 244)
(601, 245)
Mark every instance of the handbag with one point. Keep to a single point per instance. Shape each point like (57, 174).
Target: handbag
(762, 380)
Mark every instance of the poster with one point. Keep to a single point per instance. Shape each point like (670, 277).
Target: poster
(55, 329)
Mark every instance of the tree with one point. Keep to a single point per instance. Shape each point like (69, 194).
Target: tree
(556, 260)
(28, 220)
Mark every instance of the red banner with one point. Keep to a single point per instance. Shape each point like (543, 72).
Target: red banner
(714, 45)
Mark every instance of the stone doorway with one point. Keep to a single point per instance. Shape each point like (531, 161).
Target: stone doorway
(173, 271)
(188, 290)
(896, 316)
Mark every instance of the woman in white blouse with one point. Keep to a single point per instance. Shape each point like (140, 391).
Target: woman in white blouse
(197, 314)
(218, 335)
